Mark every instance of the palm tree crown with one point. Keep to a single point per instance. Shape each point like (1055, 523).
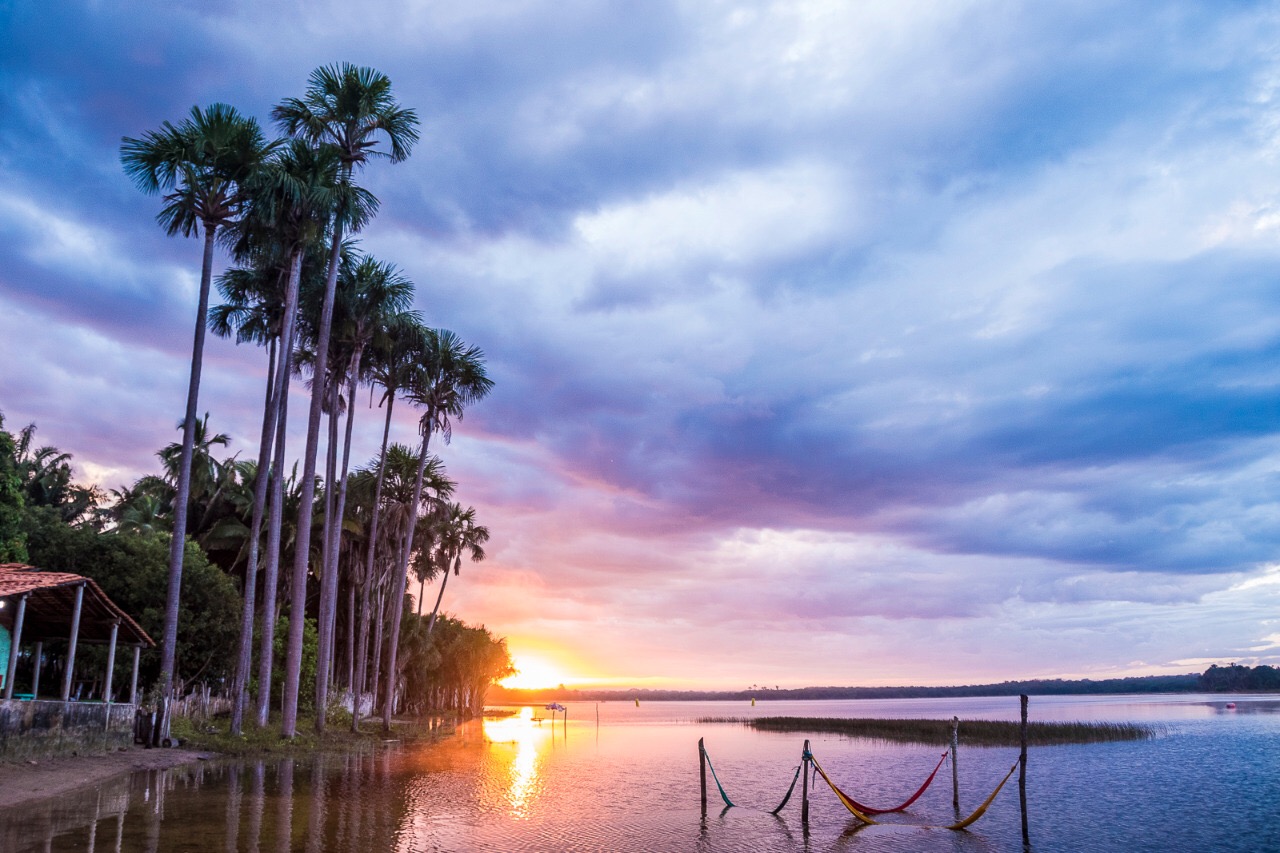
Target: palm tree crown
(349, 107)
(202, 164)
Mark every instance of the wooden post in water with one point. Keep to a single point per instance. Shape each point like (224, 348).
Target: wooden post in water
(1022, 773)
(955, 772)
(702, 773)
(804, 789)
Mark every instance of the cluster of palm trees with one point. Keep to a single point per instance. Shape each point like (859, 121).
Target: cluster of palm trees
(44, 479)
(300, 287)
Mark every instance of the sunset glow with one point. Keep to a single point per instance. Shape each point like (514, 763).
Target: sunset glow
(534, 673)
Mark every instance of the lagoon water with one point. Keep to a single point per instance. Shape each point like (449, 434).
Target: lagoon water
(627, 780)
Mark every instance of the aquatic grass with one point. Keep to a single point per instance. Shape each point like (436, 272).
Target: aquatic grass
(213, 736)
(938, 732)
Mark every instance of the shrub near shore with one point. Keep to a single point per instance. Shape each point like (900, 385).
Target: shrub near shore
(214, 736)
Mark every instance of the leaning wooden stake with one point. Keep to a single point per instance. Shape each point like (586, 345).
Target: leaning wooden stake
(702, 773)
(804, 789)
(1022, 773)
(955, 772)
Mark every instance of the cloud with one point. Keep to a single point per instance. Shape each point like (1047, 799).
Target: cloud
(925, 326)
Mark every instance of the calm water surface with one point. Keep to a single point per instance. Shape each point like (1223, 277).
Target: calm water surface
(1209, 782)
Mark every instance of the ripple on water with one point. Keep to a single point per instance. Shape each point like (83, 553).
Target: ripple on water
(1210, 784)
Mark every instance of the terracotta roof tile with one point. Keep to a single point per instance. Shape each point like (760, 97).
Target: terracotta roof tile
(50, 606)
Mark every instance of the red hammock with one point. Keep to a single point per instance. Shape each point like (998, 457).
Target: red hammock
(869, 810)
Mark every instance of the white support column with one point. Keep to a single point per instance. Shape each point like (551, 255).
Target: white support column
(69, 673)
(111, 662)
(133, 682)
(35, 678)
(13, 648)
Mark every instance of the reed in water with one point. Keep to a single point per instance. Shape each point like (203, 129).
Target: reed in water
(938, 732)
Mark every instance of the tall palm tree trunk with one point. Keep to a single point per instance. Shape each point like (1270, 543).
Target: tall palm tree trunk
(173, 597)
(244, 653)
(435, 611)
(362, 655)
(351, 634)
(328, 554)
(298, 594)
(373, 545)
(402, 574)
(329, 588)
(378, 623)
(275, 519)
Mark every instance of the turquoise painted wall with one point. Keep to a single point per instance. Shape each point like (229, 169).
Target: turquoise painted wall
(4, 655)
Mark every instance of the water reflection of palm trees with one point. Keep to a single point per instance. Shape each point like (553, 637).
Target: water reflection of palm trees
(352, 802)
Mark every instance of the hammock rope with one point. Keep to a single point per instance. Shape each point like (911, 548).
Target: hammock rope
(871, 810)
(723, 795)
(982, 809)
(787, 798)
(730, 803)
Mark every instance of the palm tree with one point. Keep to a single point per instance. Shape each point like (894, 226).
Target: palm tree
(458, 533)
(254, 312)
(291, 201)
(346, 109)
(44, 479)
(375, 298)
(206, 476)
(397, 470)
(143, 514)
(202, 165)
(450, 377)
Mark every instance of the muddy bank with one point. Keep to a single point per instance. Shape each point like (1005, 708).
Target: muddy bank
(30, 780)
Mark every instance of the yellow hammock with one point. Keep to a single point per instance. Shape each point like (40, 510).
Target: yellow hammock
(977, 813)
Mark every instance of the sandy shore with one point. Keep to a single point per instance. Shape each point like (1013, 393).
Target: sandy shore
(30, 780)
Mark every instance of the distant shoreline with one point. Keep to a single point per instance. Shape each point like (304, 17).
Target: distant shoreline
(1191, 683)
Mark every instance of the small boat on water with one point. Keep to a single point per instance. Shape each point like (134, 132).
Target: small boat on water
(1231, 706)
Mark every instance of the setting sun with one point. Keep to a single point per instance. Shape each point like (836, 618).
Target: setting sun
(534, 673)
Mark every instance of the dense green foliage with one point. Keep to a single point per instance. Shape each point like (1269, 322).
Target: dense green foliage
(13, 540)
(450, 668)
(124, 548)
(132, 571)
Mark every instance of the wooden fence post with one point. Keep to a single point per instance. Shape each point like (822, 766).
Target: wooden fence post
(1022, 773)
(804, 789)
(702, 773)
(955, 771)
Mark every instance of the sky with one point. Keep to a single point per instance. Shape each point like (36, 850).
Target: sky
(833, 343)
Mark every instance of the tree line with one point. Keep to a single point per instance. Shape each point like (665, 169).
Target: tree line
(1189, 683)
(120, 538)
(303, 542)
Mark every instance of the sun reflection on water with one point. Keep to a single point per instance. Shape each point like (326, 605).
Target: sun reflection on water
(525, 734)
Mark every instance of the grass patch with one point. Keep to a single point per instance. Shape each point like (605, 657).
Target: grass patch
(215, 736)
(938, 732)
